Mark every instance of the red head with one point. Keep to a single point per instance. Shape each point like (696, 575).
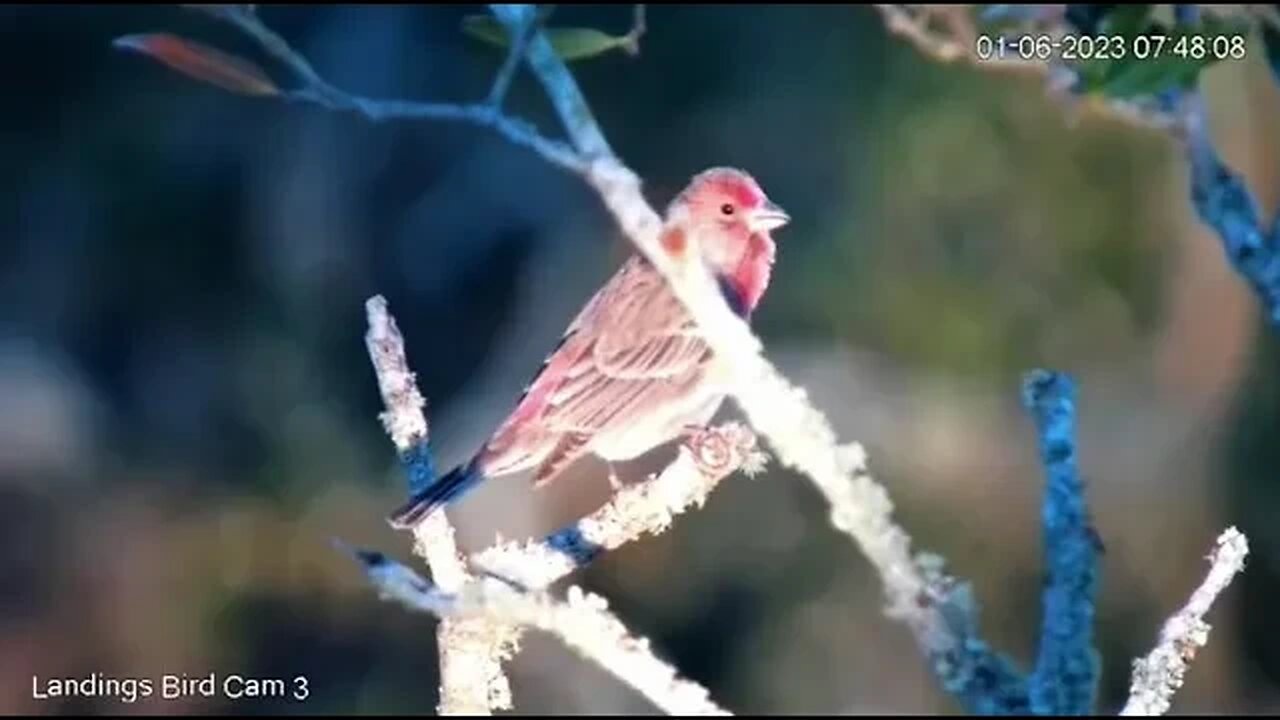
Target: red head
(730, 219)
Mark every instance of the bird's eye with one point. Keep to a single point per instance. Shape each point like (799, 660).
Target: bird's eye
(727, 209)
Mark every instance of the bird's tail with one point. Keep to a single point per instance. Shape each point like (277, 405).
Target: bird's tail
(444, 490)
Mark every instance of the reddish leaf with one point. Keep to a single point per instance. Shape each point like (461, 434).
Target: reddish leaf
(202, 62)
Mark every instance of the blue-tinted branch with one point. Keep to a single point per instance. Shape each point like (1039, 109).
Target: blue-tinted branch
(314, 89)
(520, 36)
(981, 679)
(557, 81)
(1224, 203)
(1065, 678)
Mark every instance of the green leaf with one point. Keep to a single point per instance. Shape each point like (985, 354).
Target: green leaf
(1127, 20)
(1174, 67)
(486, 28)
(569, 43)
(582, 43)
(1135, 78)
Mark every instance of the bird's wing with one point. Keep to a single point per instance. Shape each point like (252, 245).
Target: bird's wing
(569, 448)
(631, 346)
(643, 346)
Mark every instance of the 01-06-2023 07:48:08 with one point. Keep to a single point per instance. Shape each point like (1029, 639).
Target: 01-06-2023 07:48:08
(1076, 48)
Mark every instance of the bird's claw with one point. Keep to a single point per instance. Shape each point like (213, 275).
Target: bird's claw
(691, 433)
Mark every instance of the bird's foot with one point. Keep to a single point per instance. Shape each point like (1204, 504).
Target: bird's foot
(691, 434)
(691, 429)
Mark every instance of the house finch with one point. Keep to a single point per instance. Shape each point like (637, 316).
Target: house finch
(632, 370)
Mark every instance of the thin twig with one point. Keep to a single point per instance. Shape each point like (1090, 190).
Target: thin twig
(317, 91)
(563, 91)
(945, 49)
(519, 38)
(582, 622)
(1159, 675)
(471, 650)
(900, 22)
(639, 27)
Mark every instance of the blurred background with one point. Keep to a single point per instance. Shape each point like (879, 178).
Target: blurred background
(187, 411)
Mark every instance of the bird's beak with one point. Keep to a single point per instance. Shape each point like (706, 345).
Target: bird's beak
(768, 217)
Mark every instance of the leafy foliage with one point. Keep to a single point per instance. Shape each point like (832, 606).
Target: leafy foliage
(1171, 61)
(570, 43)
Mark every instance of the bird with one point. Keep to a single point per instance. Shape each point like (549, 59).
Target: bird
(632, 370)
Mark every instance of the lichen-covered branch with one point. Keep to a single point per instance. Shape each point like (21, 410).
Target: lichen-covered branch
(939, 610)
(582, 621)
(1065, 678)
(471, 650)
(648, 507)
(1159, 675)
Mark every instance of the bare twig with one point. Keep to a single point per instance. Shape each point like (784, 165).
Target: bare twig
(638, 28)
(316, 90)
(960, 45)
(471, 650)
(943, 49)
(557, 82)
(582, 621)
(1159, 675)
(515, 58)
